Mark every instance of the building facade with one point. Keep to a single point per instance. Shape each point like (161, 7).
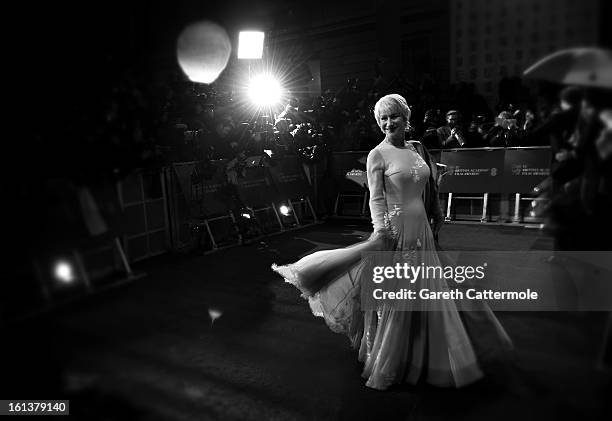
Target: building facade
(493, 39)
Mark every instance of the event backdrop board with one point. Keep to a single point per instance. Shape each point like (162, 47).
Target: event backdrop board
(349, 169)
(255, 188)
(436, 155)
(525, 168)
(473, 171)
(205, 193)
(288, 177)
(214, 190)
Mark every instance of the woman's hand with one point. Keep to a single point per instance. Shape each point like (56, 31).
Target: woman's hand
(562, 155)
(380, 233)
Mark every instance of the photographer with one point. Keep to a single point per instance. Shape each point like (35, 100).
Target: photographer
(429, 135)
(258, 137)
(283, 139)
(221, 141)
(476, 132)
(293, 114)
(504, 133)
(451, 135)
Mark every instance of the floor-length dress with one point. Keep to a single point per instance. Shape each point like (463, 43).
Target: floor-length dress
(395, 345)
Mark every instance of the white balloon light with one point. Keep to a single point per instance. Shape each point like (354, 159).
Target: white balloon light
(203, 50)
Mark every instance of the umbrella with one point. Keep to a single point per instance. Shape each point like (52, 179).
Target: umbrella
(588, 66)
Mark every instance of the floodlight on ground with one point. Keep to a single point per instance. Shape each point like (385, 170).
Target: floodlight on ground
(284, 210)
(64, 272)
(250, 44)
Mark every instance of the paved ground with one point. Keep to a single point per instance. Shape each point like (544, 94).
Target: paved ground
(149, 350)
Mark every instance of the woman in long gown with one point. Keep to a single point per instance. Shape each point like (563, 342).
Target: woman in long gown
(418, 342)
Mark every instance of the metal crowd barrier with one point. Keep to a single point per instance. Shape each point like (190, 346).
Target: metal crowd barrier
(214, 199)
(481, 172)
(468, 174)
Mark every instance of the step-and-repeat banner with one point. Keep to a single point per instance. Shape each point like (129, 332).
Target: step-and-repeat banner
(289, 178)
(473, 171)
(486, 170)
(349, 169)
(492, 170)
(525, 168)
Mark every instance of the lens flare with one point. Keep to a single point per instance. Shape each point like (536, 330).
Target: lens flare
(265, 89)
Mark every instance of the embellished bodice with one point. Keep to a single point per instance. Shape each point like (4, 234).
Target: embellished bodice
(396, 178)
(405, 174)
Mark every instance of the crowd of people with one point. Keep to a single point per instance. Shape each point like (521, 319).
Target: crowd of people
(579, 190)
(156, 122)
(576, 122)
(200, 122)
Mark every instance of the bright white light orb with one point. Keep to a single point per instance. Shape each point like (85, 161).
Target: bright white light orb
(63, 272)
(250, 44)
(246, 215)
(265, 90)
(214, 314)
(202, 50)
(284, 210)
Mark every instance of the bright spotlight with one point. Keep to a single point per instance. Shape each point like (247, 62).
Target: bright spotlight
(63, 272)
(284, 210)
(264, 90)
(268, 152)
(246, 215)
(250, 44)
(534, 203)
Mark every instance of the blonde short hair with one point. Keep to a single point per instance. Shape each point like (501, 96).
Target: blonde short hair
(393, 103)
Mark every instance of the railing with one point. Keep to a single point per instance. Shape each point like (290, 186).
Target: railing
(210, 212)
(483, 174)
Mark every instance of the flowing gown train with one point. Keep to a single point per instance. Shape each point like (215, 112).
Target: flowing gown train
(395, 345)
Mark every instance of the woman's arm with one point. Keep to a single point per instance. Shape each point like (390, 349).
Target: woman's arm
(376, 183)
